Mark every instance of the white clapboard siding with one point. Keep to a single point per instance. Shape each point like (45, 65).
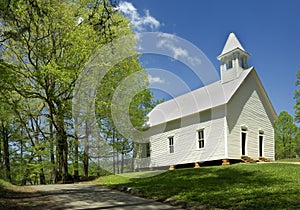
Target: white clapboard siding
(186, 140)
(249, 107)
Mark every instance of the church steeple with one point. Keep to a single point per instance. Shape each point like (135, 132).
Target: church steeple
(233, 59)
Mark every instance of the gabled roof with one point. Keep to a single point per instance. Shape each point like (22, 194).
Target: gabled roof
(201, 99)
(232, 43)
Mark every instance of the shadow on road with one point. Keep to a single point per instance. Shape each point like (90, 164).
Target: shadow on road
(74, 196)
(21, 198)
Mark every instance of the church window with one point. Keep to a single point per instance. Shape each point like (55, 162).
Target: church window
(148, 151)
(201, 138)
(171, 144)
(230, 64)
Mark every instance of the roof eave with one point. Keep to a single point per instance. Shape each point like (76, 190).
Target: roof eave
(231, 51)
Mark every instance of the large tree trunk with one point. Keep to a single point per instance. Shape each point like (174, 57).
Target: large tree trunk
(86, 158)
(98, 167)
(114, 155)
(122, 163)
(25, 177)
(52, 157)
(5, 137)
(85, 164)
(42, 174)
(118, 167)
(62, 146)
(1, 155)
(42, 177)
(21, 150)
(86, 149)
(57, 119)
(62, 156)
(76, 156)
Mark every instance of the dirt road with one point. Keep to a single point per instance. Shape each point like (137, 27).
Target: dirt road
(76, 196)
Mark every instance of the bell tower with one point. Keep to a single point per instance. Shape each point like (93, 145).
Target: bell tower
(233, 59)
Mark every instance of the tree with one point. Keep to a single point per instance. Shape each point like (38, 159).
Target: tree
(286, 133)
(297, 97)
(127, 100)
(5, 136)
(40, 49)
(44, 47)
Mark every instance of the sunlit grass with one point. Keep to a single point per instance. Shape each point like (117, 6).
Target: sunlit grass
(5, 184)
(125, 178)
(112, 180)
(289, 160)
(252, 186)
(143, 174)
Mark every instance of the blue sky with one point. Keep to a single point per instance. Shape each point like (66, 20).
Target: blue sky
(269, 30)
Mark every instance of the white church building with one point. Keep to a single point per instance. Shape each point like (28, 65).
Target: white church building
(228, 120)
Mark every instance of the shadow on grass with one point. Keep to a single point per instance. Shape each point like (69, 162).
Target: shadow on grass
(237, 187)
(21, 199)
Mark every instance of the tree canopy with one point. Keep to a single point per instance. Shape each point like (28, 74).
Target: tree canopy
(297, 98)
(286, 136)
(45, 46)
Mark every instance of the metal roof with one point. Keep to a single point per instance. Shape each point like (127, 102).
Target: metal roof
(198, 100)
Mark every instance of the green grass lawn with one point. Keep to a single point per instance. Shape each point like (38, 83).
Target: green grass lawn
(239, 186)
(289, 160)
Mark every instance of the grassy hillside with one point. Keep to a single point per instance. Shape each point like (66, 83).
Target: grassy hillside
(289, 160)
(252, 186)
(5, 184)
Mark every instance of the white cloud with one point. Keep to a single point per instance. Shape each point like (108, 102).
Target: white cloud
(194, 61)
(140, 23)
(155, 79)
(168, 36)
(178, 53)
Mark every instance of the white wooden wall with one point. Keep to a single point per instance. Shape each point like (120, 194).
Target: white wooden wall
(186, 140)
(222, 129)
(249, 108)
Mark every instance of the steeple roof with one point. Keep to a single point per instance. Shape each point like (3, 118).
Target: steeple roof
(232, 43)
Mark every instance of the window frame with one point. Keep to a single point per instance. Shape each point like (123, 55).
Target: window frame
(171, 144)
(230, 64)
(200, 138)
(148, 150)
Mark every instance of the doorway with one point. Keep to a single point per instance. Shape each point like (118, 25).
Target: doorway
(260, 143)
(244, 140)
(244, 135)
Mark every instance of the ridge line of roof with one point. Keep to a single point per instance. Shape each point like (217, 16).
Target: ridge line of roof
(228, 89)
(205, 86)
